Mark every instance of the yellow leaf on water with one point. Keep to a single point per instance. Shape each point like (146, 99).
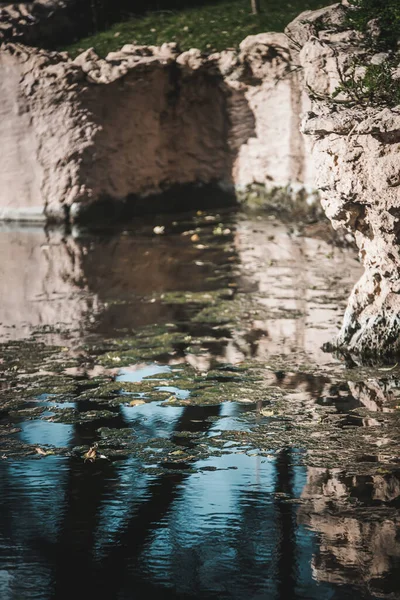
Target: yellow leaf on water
(42, 452)
(91, 454)
(266, 413)
(136, 402)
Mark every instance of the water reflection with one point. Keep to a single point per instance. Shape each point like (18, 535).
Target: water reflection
(228, 522)
(377, 395)
(42, 284)
(112, 531)
(302, 281)
(71, 287)
(229, 530)
(358, 545)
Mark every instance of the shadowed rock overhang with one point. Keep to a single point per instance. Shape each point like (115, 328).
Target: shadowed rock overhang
(143, 121)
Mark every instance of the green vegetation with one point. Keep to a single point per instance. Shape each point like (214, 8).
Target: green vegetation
(377, 87)
(379, 20)
(387, 14)
(210, 28)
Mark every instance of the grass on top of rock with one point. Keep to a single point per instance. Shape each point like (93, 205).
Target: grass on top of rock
(210, 28)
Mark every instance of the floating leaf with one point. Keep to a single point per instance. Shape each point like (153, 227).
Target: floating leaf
(266, 412)
(91, 454)
(42, 452)
(389, 368)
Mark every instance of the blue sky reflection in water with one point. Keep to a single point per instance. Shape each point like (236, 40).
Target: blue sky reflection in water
(217, 533)
(237, 524)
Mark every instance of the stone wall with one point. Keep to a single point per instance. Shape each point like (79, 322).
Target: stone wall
(144, 120)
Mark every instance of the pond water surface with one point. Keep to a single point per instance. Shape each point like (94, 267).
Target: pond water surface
(169, 422)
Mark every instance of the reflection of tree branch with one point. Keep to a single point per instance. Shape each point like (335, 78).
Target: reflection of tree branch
(286, 524)
(87, 488)
(151, 514)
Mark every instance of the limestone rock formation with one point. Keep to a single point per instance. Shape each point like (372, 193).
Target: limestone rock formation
(144, 120)
(356, 159)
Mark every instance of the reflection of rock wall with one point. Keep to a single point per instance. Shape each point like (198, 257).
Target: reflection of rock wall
(41, 284)
(58, 283)
(51, 282)
(295, 279)
(357, 546)
(143, 120)
(375, 394)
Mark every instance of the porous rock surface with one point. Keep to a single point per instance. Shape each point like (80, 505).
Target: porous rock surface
(356, 155)
(143, 120)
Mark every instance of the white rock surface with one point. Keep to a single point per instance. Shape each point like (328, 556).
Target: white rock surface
(145, 119)
(356, 155)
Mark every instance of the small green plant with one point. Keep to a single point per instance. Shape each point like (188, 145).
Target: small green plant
(379, 21)
(379, 86)
(376, 87)
(387, 16)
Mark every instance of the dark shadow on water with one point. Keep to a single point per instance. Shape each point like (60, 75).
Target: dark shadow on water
(175, 199)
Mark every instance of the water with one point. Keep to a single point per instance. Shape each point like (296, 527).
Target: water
(233, 458)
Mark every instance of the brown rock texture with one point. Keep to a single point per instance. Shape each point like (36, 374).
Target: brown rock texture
(144, 120)
(356, 155)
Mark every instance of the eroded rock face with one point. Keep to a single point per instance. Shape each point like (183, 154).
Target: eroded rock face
(356, 159)
(143, 120)
(358, 169)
